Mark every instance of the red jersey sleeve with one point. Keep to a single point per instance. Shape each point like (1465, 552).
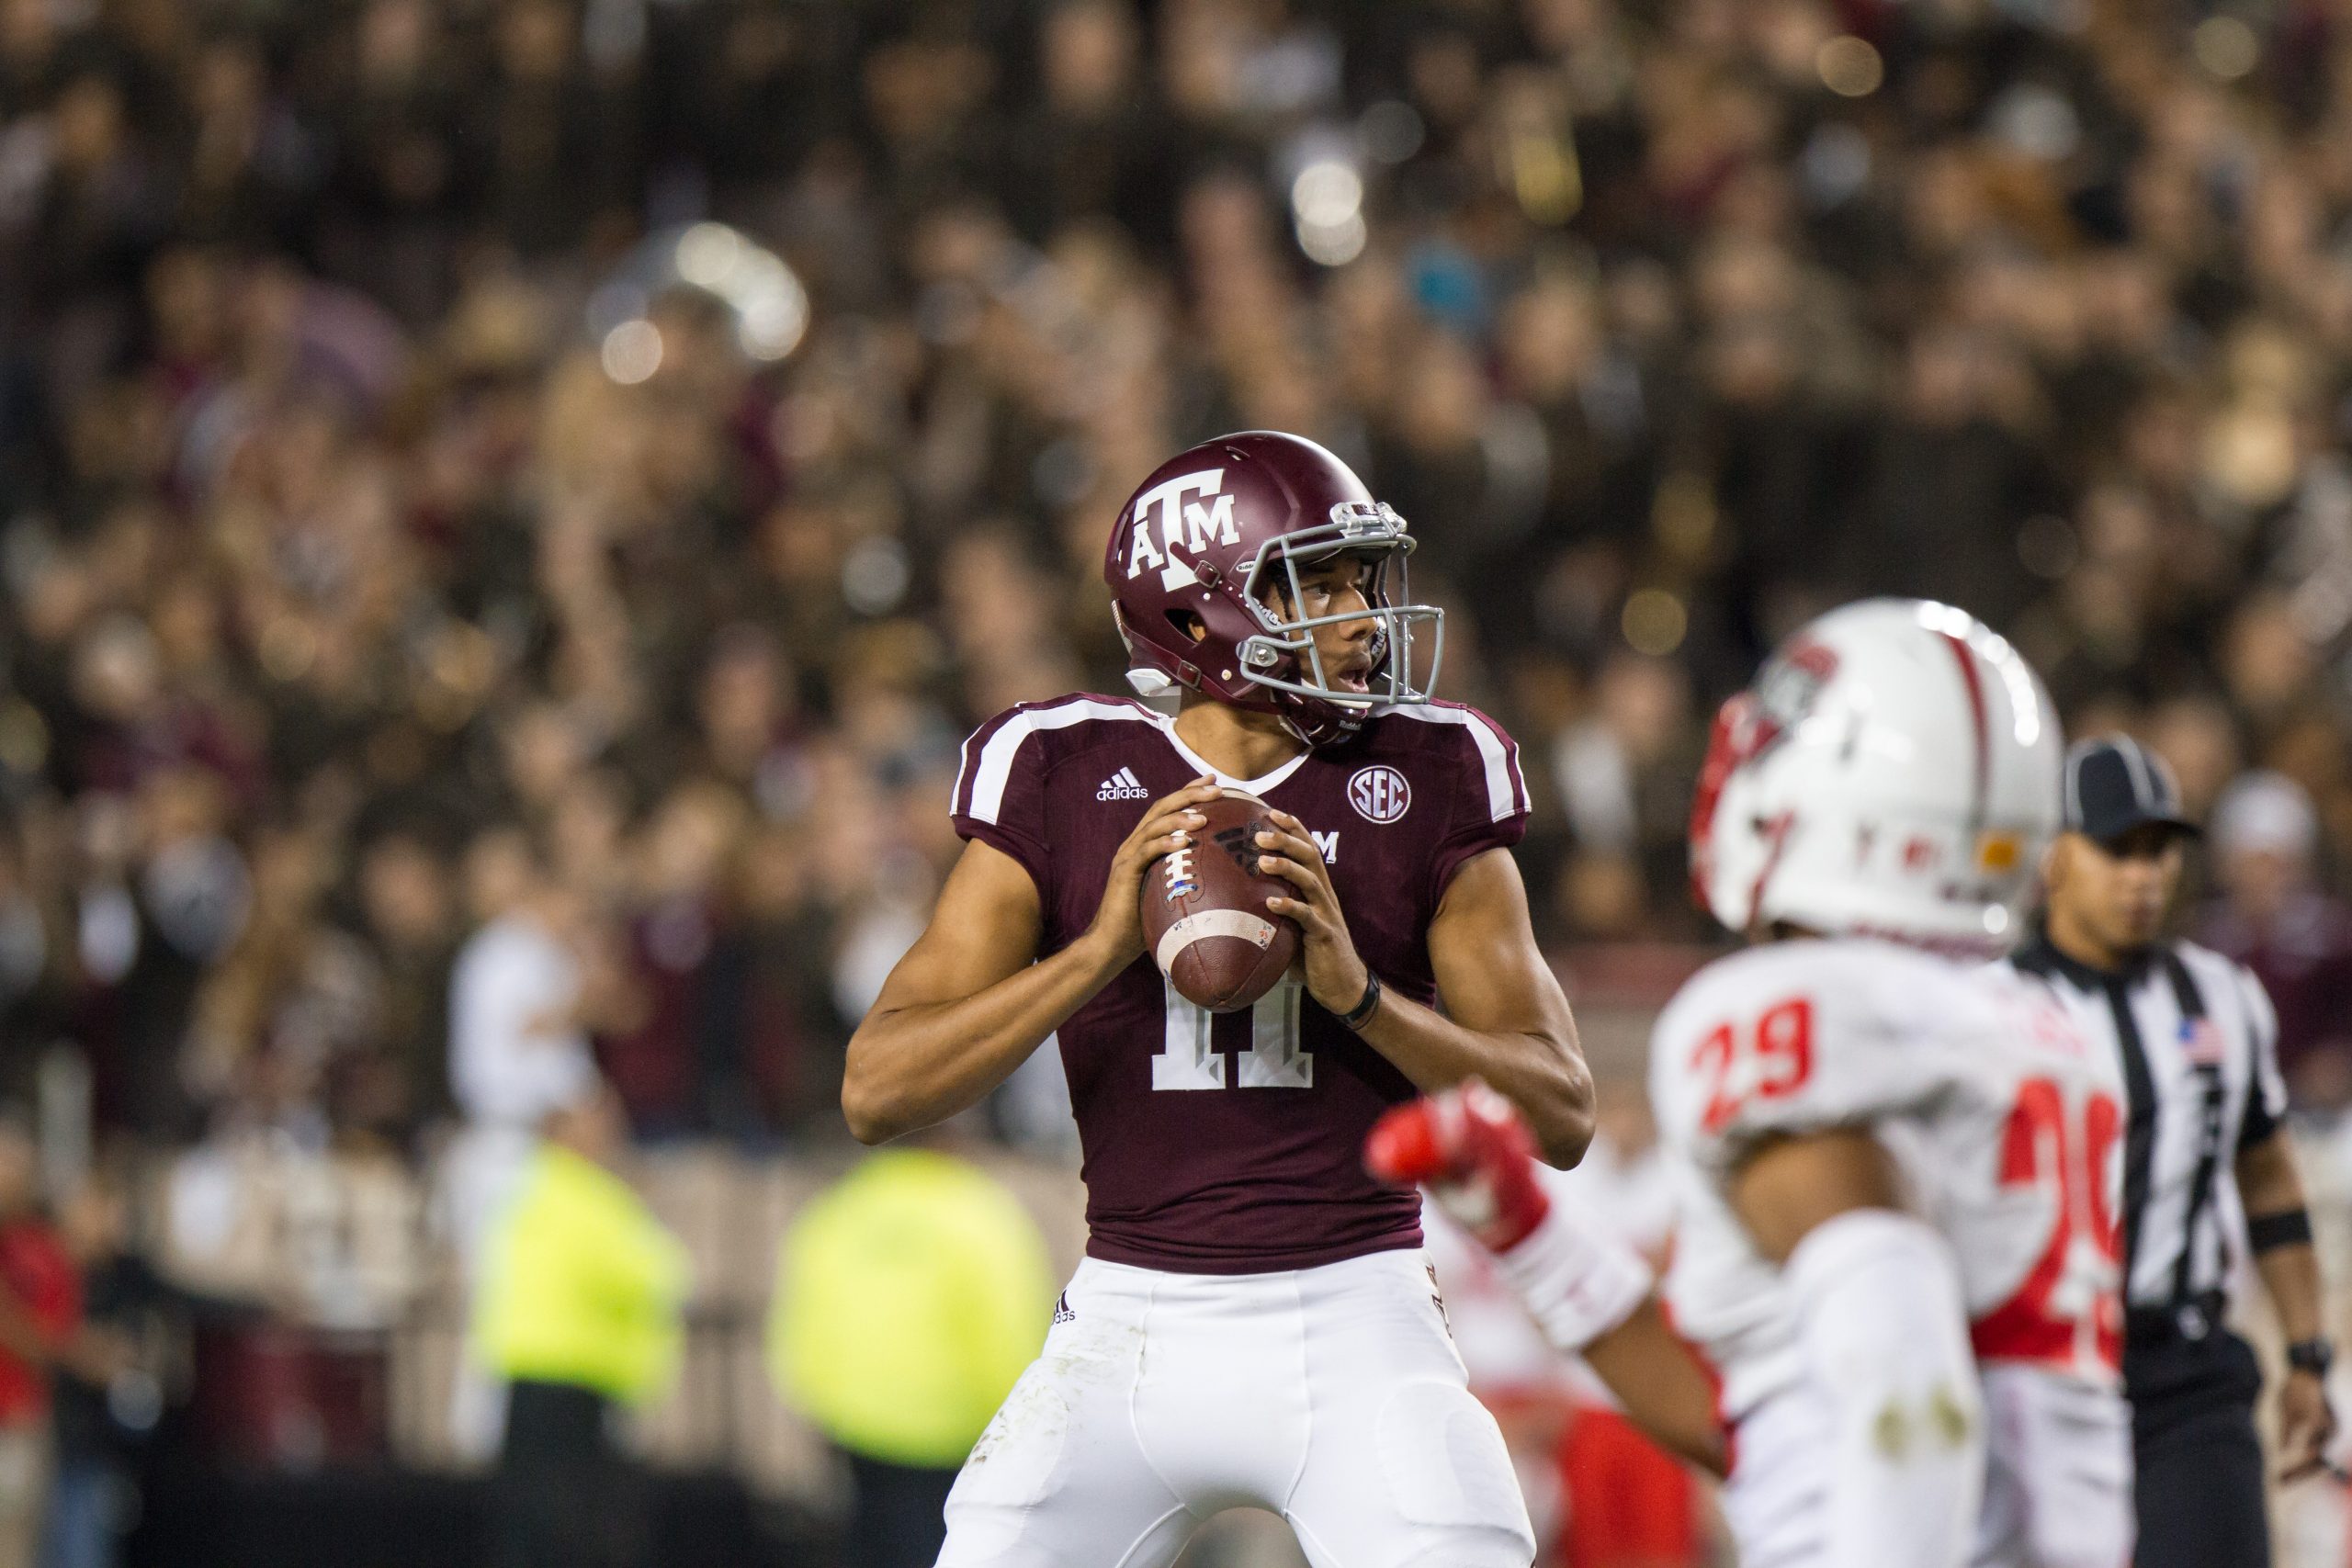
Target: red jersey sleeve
(999, 791)
(1489, 801)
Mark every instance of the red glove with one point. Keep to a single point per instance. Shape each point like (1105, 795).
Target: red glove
(1470, 1147)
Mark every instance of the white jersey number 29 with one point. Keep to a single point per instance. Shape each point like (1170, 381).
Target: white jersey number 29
(1191, 1059)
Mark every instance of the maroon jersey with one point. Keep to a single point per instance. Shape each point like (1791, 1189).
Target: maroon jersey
(1232, 1143)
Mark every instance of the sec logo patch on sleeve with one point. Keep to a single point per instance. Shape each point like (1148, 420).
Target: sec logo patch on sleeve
(1379, 792)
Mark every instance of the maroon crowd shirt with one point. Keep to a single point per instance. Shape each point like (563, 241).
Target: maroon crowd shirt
(1233, 1144)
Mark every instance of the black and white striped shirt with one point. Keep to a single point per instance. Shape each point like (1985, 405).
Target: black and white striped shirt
(2199, 1046)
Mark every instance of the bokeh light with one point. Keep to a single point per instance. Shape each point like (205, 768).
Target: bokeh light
(1849, 67)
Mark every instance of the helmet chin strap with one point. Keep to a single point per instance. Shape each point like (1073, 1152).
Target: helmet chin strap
(1288, 705)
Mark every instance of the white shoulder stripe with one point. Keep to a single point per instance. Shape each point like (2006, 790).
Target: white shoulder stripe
(1506, 793)
(963, 766)
(993, 769)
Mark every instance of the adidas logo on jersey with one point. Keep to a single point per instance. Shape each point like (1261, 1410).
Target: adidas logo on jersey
(1123, 786)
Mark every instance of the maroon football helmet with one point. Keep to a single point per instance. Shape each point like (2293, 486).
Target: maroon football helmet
(1212, 532)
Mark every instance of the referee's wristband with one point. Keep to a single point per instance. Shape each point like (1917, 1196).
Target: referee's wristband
(1366, 1005)
(2271, 1232)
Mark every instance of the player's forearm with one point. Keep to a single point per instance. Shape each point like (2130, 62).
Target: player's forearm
(2292, 1276)
(1664, 1390)
(1541, 1071)
(915, 1065)
(2270, 1186)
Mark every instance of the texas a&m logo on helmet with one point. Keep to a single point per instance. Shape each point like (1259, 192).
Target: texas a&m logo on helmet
(1174, 522)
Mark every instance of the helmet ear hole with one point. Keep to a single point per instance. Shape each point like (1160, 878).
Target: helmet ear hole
(1190, 623)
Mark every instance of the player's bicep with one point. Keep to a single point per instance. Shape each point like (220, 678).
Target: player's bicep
(984, 929)
(1790, 1184)
(1490, 972)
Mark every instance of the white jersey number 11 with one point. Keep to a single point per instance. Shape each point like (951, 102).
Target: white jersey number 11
(1191, 1060)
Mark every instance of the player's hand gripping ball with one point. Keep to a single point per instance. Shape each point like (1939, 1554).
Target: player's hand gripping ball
(1204, 914)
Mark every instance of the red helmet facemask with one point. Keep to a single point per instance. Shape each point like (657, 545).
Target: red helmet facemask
(1206, 543)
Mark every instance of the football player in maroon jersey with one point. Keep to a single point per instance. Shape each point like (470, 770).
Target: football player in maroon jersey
(1253, 1324)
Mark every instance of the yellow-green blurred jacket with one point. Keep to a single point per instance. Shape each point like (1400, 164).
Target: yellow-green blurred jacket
(581, 1284)
(910, 1296)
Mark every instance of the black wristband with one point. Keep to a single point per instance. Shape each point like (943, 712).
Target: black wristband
(1366, 1005)
(2270, 1232)
(2312, 1356)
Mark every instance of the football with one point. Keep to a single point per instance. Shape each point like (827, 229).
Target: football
(1205, 913)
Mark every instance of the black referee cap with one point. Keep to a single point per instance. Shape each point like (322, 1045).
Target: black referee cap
(2114, 784)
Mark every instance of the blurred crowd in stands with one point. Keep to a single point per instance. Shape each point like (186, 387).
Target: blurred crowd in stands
(354, 598)
(371, 618)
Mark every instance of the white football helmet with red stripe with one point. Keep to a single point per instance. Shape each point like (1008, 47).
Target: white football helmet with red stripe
(1894, 771)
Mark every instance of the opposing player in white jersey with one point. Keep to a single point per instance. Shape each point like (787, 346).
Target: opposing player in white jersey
(1896, 1241)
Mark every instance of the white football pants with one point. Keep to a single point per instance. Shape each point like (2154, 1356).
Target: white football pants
(1331, 1396)
(2057, 1477)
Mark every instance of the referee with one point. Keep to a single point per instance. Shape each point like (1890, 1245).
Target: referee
(2206, 1162)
